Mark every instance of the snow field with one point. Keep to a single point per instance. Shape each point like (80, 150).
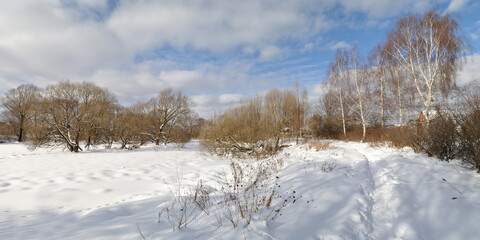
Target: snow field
(54, 194)
(350, 192)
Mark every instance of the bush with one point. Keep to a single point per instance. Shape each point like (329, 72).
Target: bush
(445, 137)
(319, 145)
(331, 128)
(400, 136)
(258, 127)
(438, 138)
(469, 138)
(442, 138)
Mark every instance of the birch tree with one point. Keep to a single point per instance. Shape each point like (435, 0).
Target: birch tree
(378, 67)
(360, 97)
(337, 75)
(430, 47)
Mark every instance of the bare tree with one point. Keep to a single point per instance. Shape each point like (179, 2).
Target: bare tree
(258, 126)
(361, 88)
(163, 111)
(429, 47)
(131, 124)
(337, 73)
(99, 106)
(328, 105)
(19, 103)
(301, 110)
(280, 115)
(378, 67)
(396, 82)
(105, 131)
(186, 128)
(68, 112)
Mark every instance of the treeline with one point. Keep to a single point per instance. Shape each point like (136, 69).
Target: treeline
(81, 115)
(404, 92)
(259, 126)
(413, 69)
(378, 97)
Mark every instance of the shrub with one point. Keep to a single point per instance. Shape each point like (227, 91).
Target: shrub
(320, 145)
(246, 193)
(331, 128)
(442, 138)
(258, 127)
(469, 138)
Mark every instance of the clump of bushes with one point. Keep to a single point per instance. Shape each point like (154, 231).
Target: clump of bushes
(447, 136)
(259, 127)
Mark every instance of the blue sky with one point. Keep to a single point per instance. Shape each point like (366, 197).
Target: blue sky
(216, 51)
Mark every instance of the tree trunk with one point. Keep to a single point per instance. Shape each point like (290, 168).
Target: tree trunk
(382, 114)
(400, 108)
(89, 142)
(21, 135)
(343, 115)
(364, 130)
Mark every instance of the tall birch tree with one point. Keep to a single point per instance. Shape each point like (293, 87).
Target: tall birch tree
(430, 47)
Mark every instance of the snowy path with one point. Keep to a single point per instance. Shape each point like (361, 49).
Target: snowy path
(406, 197)
(378, 193)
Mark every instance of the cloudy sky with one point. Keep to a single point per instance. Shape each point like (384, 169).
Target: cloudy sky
(216, 51)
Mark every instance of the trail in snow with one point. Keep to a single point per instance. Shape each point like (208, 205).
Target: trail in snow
(406, 198)
(368, 191)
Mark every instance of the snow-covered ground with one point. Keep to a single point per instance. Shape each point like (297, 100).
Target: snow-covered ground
(350, 192)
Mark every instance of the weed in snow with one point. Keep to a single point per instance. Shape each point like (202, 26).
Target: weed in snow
(251, 191)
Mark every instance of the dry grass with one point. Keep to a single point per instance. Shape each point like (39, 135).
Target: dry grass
(320, 145)
(382, 144)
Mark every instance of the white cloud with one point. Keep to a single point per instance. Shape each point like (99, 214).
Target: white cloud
(307, 47)
(456, 5)
(142, 80)
(249, 50)
(181, 78)
(270, 53)
(318, 90)
(230, 98)
(130, 86)
(47, 39)
(206, 105)
(42, 42)
(203, 99)
(215, 25)
(470, 70)
(339, 45)
(386, 8)
(58, 39)
(474, 36)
